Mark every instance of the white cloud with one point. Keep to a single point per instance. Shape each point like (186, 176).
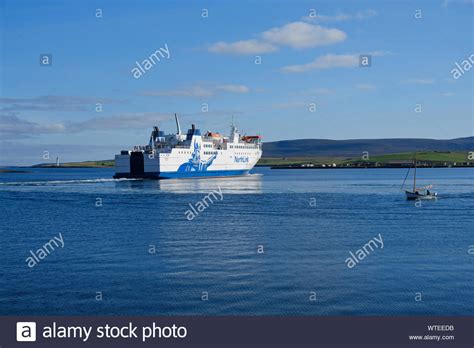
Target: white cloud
(418, 81)
(365, 87)
(12, 126)
(313, 91)
(199, 91)
(320, 91)
(448, 94)
(137, 120)
(194, 91)
(296, 35)
(447, 2)
(233, 88)
(329, 61)
(303, 35)
(54, 103)
(290, 105)
(365, 14)
(360, 15)
(243, 47)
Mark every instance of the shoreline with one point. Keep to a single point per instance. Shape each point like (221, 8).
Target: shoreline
(2, 170)
(427, 159)
(365, 167)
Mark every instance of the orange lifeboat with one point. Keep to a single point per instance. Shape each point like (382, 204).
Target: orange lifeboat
(213, 135)
(249, 138)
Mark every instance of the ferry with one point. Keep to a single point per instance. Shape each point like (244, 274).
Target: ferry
(190, 155)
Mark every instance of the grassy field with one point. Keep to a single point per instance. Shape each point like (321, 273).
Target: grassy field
(269, 161)
(439, 158)
(85, 164)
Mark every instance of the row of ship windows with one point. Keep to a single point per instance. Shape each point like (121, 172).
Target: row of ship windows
(210, 153)
(189, 152)
(213, 152)
(233, 146)
(242, 147)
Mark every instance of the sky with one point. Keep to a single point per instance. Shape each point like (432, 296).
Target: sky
(281, 69)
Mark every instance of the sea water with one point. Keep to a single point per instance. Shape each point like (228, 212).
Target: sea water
(276, 244)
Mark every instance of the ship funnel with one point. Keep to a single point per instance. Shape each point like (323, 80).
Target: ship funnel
(177, 124)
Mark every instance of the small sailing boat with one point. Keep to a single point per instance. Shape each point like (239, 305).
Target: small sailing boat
(421, 192)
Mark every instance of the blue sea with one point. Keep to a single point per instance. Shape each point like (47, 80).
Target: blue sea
(276, 244)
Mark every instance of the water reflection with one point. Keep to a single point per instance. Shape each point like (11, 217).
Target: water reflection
(248, 184)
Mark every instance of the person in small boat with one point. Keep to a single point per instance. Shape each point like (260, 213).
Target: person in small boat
(428, 192)
(417, 193)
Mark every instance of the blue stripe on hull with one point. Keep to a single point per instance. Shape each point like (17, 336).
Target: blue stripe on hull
(179, 175)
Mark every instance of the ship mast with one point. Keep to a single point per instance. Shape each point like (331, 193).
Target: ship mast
(177, 124)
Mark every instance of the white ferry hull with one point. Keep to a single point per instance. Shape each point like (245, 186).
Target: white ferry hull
(192, 162)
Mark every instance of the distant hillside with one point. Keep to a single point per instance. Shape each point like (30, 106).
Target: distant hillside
(348, 148)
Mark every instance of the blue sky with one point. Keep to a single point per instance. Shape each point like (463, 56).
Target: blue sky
(309, 53)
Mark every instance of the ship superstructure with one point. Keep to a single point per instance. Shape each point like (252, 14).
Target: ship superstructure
(190, 155)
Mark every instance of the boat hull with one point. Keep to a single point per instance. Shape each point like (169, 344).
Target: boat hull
(182, 163)
(194, 156)
(413, 196)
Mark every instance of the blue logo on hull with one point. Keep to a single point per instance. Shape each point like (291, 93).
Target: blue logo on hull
(195, 164)
(242, 159)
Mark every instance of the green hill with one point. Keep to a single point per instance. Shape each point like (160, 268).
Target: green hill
(355, 148)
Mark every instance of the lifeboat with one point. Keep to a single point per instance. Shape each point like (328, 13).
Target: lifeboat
(213, 135)
(250, 138)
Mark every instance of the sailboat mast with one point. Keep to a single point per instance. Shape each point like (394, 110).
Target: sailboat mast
(414, 177)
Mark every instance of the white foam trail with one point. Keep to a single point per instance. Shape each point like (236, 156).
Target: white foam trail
(60, 182)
